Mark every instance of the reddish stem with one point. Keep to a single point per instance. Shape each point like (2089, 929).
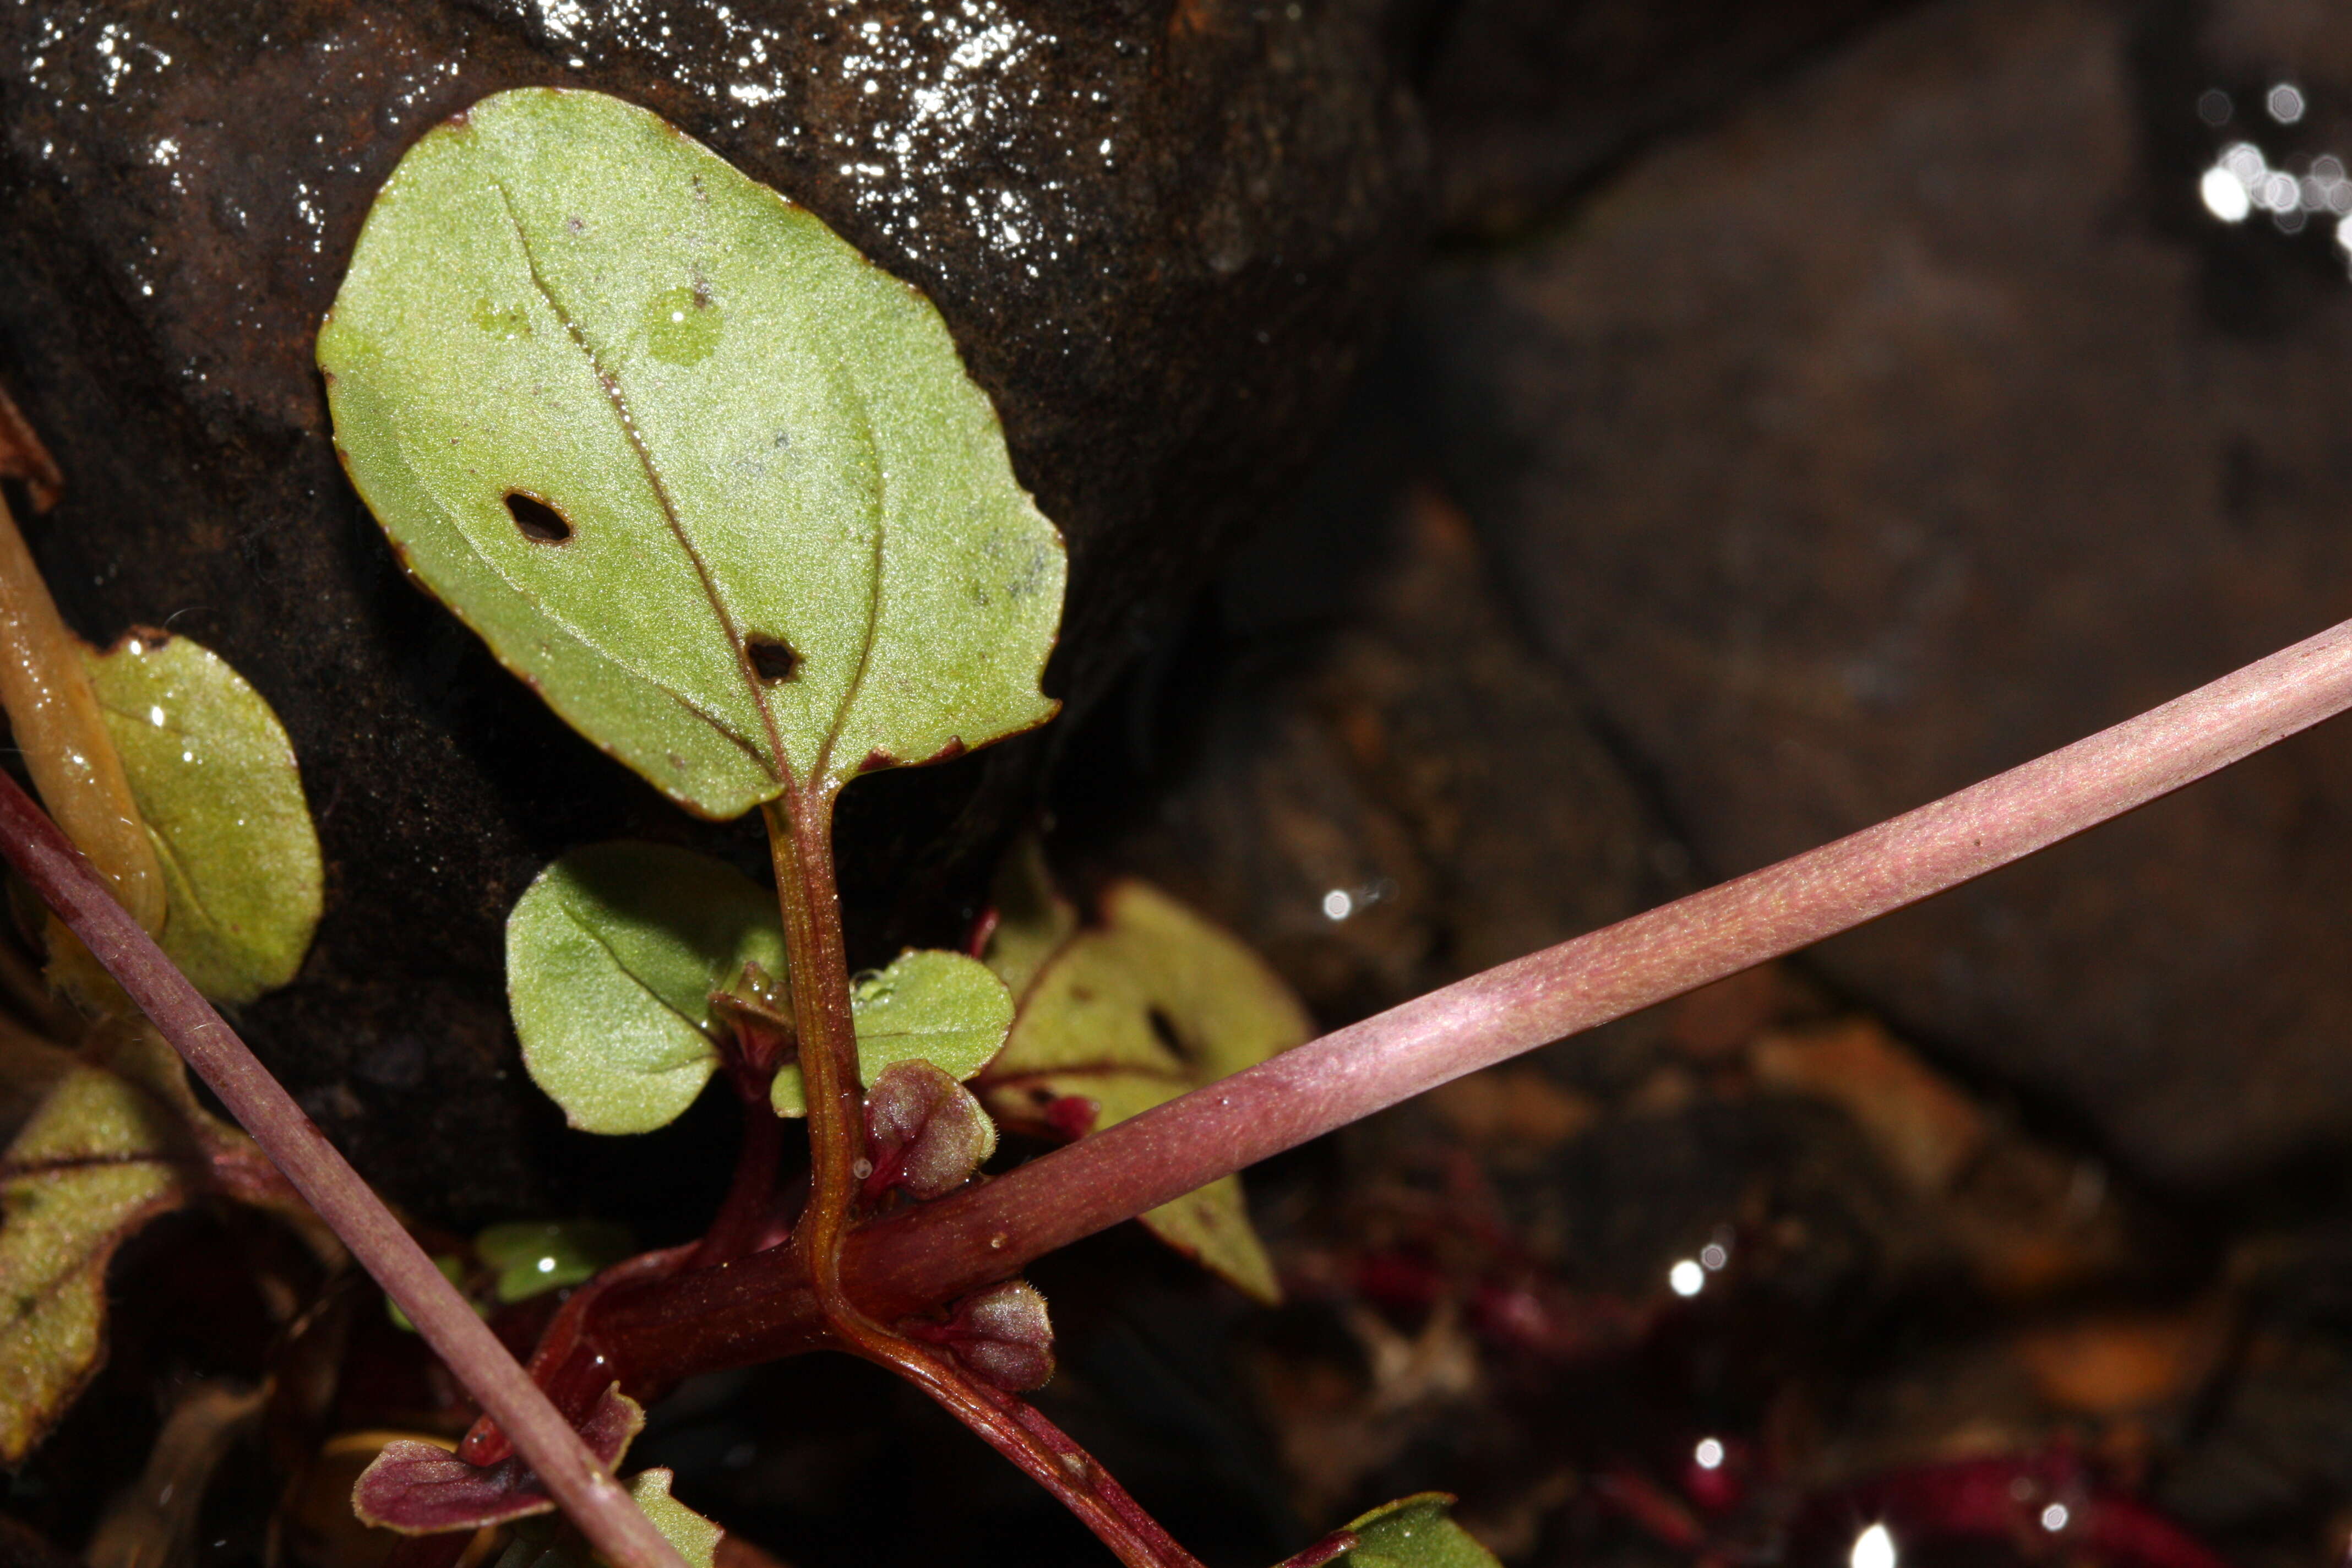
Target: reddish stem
(939, 1251)
(67, 882)
(800, 838)
(744, 1213)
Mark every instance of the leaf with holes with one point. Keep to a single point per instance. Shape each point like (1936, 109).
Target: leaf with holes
(214, 778)
(101, 1156)
(1152, 1003)
(1414, 1532)
(612, 954)
(714, 484)
(938, 1007)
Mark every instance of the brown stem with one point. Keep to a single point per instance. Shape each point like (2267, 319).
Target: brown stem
(942, 1250)
(800, 842)
(57, 871)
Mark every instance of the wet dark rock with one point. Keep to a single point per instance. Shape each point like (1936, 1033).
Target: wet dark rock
(1359, 764)
(1530, 101)
(1161, 233)
(1919, 421)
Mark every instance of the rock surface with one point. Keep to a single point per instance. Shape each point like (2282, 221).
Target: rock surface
(1530, 101)
(1920, 420)
(1365, 769)
(1161, 233)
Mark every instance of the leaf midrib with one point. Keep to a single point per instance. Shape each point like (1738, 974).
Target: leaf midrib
(778, 762)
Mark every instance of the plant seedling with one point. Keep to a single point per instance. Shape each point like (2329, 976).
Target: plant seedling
(721, 491)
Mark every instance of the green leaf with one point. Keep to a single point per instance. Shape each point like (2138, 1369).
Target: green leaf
(1154, 1002)
(1415, 1533)
(99, 1158)
(546, 1542)
(534, 1256)
(612, 956)
(214, 777)
(930, 1005)
(767, 530)
(695, 1537)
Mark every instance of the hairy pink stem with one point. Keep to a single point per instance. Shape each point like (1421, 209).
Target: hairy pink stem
(990, 1231)
(67, 882)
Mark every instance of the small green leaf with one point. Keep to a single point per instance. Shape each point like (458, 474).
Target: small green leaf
(534, 1256)
(695, 1537)
(1415, 1533)
(214, 778)
(934, 1006)
(99, 1158)
(545, 1542)
(612, 956)
(717, 487)
(1154, 1002)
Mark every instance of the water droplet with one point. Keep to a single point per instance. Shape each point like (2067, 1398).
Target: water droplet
(501, 321)
(682, 325)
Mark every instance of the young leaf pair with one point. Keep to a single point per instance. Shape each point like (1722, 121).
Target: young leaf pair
(620, 959)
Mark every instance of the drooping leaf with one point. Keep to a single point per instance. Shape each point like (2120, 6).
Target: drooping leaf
(1154, 1002)
(421, 1488)
(1415, 1533)
(611, 957)
(715, 486)
(99, 1158)
(214, 778)
(533, 1257)
(1033, 919)
(929, 1006)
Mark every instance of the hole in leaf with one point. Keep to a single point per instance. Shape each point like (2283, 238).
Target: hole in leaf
(540, 522)
(772, 659)
(1163, 1029)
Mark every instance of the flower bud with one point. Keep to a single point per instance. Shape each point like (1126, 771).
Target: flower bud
(924, 1131)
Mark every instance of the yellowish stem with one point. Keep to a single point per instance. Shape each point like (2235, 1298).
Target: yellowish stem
(51, 707)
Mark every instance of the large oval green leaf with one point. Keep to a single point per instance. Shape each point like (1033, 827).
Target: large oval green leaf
(215, 780)
(612, 956)
(718, 488)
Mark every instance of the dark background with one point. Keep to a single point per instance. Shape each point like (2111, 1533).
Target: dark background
(1521, 461)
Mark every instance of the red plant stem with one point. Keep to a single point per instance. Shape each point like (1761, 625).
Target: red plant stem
(944, 1250)
(800, 843)
(57, 870)
(743, 1214)
(800, 837)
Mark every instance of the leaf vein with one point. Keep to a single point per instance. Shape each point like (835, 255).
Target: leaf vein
(778, 764)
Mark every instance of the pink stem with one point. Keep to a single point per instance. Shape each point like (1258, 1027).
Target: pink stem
(990, 1231)
(57, 870)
